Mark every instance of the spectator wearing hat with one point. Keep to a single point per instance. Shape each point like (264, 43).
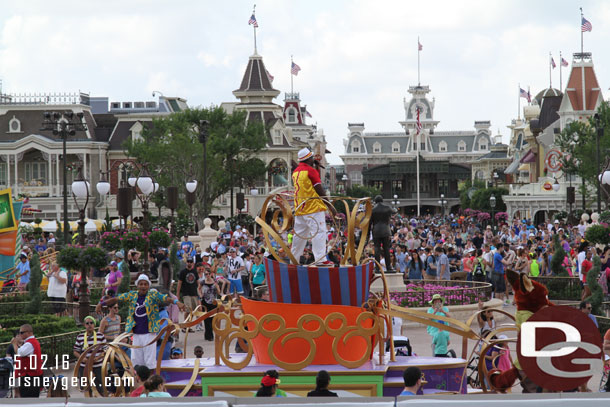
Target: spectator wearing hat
(23, 271)
(176, 353)
(309, 219)
(269, 385)
(187, 286)
(237, 271)
(142, 318)
(437, 307)
(83, 341)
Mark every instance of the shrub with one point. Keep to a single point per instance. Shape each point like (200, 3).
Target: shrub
(34, 285)
(597, 295)
(501, 216)
(111, 241)
(77, 258)
(598, 234)
(557, 259)
(160, 238)
(174, 261)
(135, 240)
(42, 325)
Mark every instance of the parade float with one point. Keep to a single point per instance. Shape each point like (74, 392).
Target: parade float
(316, 318)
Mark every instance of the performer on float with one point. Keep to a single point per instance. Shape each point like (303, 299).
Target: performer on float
(310, 213)
(382, 234)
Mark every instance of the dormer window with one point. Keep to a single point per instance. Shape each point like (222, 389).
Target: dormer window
(462, 146)
(355, 146)
(136, 131)
(483, 144)
(277, 137)
(442, 146)
(395, 147)
(14, 125)
(377, 147)
(292, 115)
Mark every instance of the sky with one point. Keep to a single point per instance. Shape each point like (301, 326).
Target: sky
(358, 58)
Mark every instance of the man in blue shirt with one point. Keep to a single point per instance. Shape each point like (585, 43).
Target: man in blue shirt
(413, 381)
(586, 308)
(497, 276)
(23, 272)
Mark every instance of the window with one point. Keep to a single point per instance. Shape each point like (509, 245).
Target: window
(397, 185)
(36, 172)
(355, 146)
(355, 177)
(14, 125)
(462, 145)
(376, 147)
(395, 147)
(136, 131)
(292, 115)
(377, 185)
(479, 174)
(423, 146)
(277, 137)
(483, 145)
(3, 174)
(442, 146)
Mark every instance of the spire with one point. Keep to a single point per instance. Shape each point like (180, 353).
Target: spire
(256, 85)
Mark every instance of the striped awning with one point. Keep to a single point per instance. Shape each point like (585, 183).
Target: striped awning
(513, 167)
(529, 157)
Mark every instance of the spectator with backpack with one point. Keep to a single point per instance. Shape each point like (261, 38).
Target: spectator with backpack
(478, 268)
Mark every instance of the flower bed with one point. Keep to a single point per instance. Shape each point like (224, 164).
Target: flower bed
(419, 294)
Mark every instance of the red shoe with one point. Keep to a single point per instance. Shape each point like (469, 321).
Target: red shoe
(326, 263)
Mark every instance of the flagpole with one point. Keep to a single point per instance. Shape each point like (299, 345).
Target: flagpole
(418, 83)
(417, 166)
(519, 103)
(560, 68)
(291, 75)
(550, 71)
(254, 28)
(581, 33)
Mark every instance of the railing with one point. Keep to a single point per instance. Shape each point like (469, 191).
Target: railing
(561, 288)
(44, 99)
(418, 293)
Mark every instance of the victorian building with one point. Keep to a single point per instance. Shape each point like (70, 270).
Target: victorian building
(540, 186)
(387, 160)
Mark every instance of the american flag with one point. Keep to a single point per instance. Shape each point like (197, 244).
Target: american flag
(525, 94)
(564, 62)
(553, 63)
(294, 69)
(419, 46)
(252, 21)
(271, 77)
(585, 25)
(308, 114)
(418, 123)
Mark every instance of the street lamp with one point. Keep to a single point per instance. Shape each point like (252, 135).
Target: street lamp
(600, 133)
(203, 139)
(442, 202)
(64, 124)
(80, 190)
(492, 203)
(556, 185)
(344, 179)
(395, 202)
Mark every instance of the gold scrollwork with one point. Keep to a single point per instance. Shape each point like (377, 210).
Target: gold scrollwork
(309, 327)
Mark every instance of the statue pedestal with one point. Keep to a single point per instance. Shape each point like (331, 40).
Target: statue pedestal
(207, 235)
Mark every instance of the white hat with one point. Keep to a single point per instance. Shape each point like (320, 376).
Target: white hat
(143, 277)
(556, 221)
(304, 154)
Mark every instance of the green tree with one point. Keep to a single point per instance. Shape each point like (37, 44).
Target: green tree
(480, 199)
(34, 286)
(578, 141)
(174, 261)
(597, 294)
(557, 260)
(173, 152)
(363, 191)
(467, 189)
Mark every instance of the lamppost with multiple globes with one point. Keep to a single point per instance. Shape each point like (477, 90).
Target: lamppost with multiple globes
(492, 203)
(395, 202)
(442, 202)
(64, 124)
(203, 139)
(80, 191)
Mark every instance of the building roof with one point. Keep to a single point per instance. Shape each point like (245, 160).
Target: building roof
(548, 112)
(255, 78)
(582, 89)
